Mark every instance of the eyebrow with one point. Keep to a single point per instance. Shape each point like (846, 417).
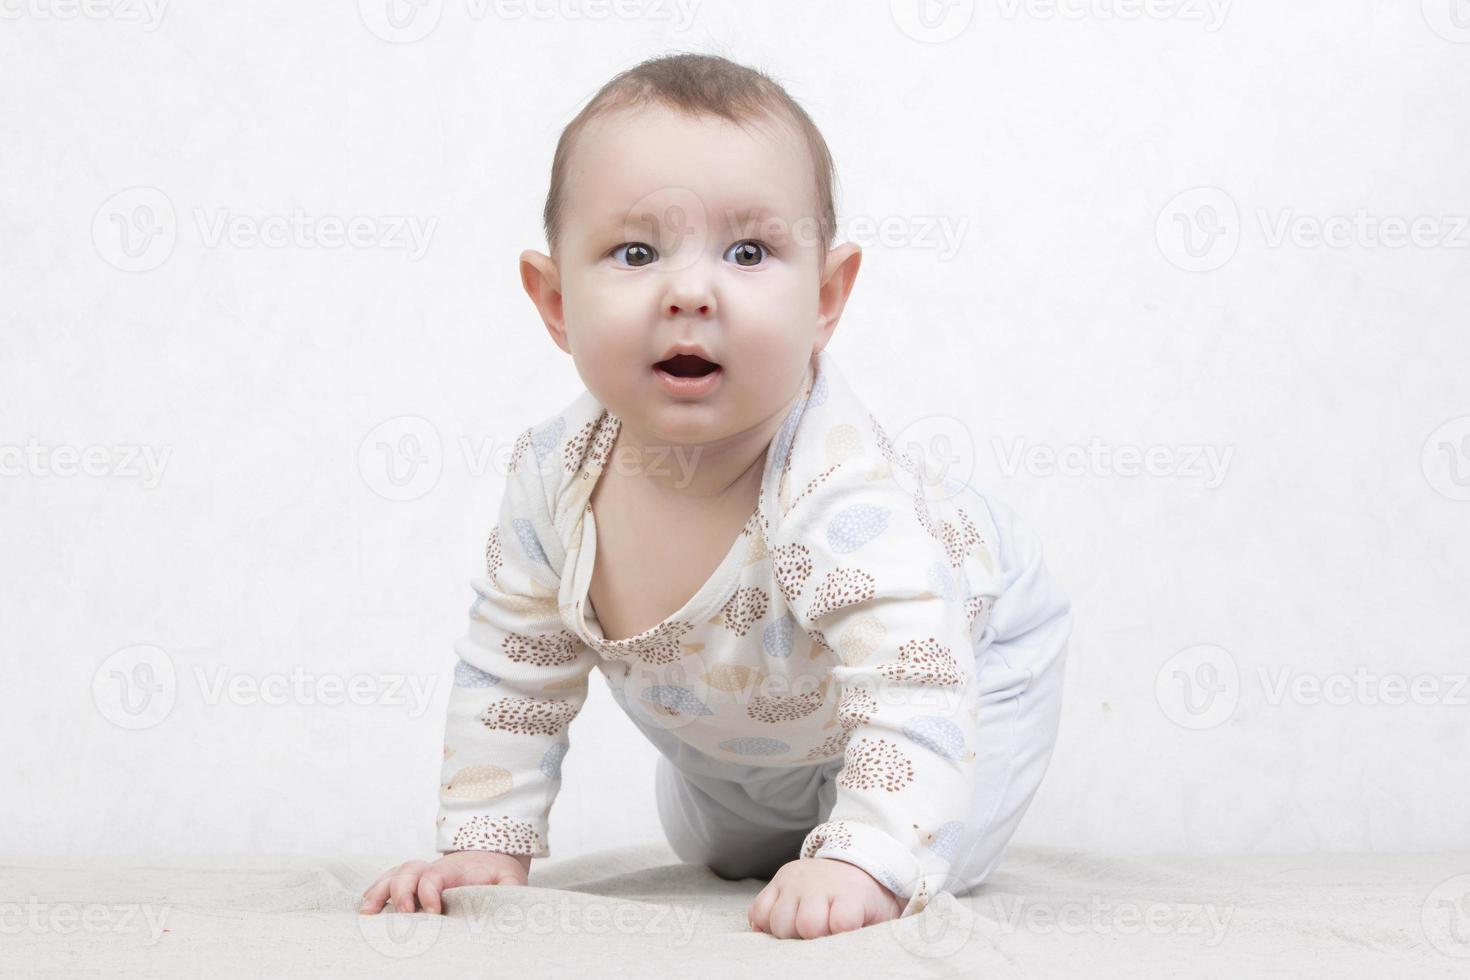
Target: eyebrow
(758, 211)
(737, 215)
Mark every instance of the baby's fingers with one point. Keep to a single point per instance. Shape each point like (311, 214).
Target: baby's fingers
(814, 916)
(782, 916)
(377, 892)
(404, 881)
(432, 885)
(847, 914)
(510, 876)
(759, 914)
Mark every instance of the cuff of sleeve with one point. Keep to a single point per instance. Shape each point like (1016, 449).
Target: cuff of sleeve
(482, 832)
(890, 863)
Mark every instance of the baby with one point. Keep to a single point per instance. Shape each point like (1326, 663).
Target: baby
(852, 672)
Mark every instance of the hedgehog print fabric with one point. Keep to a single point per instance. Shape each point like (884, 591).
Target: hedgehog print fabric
(849, 620)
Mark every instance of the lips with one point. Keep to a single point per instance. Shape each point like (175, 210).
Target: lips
(688, 374)
(687, 366)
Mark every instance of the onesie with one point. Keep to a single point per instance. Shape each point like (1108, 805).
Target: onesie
(872, 673)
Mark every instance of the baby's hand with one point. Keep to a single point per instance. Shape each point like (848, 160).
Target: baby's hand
(813, 897)
(425, 881)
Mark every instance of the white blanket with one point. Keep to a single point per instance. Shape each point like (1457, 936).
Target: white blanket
(638, 912)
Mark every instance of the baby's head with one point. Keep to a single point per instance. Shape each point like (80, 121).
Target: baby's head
(691, 205)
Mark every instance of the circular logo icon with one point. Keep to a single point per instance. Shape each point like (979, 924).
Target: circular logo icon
(1446, 459)
(940, 931)
(400, 935)
(674, 222)
(1199, 230)
(400, 21)
(135, 229)
(932, 21)
(1445, 915)
(135, 687)
(402, 458)
(1198, 687)
(1450, 19)
(941, 451)
(676, 695)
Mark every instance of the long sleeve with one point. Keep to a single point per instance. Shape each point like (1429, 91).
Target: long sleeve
(900, 591)
(1021, 665)
(520, 679)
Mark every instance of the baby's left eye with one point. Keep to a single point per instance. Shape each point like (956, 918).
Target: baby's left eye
(748, 250)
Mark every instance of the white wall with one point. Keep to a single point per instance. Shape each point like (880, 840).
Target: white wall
(1335, 534)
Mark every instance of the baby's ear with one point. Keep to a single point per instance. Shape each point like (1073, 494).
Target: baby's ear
(839, 272)
(542, 282)
(838, 254)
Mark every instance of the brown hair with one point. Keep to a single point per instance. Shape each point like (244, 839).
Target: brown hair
(697, 84)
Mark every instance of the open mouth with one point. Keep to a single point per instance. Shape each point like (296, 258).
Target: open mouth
(687, 366)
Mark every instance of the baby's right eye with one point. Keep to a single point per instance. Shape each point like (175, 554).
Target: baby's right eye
(639, 253)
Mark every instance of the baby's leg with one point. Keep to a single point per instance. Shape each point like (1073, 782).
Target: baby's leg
(739, 829)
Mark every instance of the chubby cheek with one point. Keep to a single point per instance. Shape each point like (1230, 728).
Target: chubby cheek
(766, 350)
(610, 327)
(591, 305)
(770, 326)
(766, 367)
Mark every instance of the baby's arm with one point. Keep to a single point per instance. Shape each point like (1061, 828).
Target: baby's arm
(520, 679)
(877, 578)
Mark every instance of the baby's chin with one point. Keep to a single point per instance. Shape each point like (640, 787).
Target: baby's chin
(669, 424)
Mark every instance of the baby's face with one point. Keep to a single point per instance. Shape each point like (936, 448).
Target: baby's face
(662, 244)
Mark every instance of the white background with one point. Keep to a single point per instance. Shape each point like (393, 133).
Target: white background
(1070, 312)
